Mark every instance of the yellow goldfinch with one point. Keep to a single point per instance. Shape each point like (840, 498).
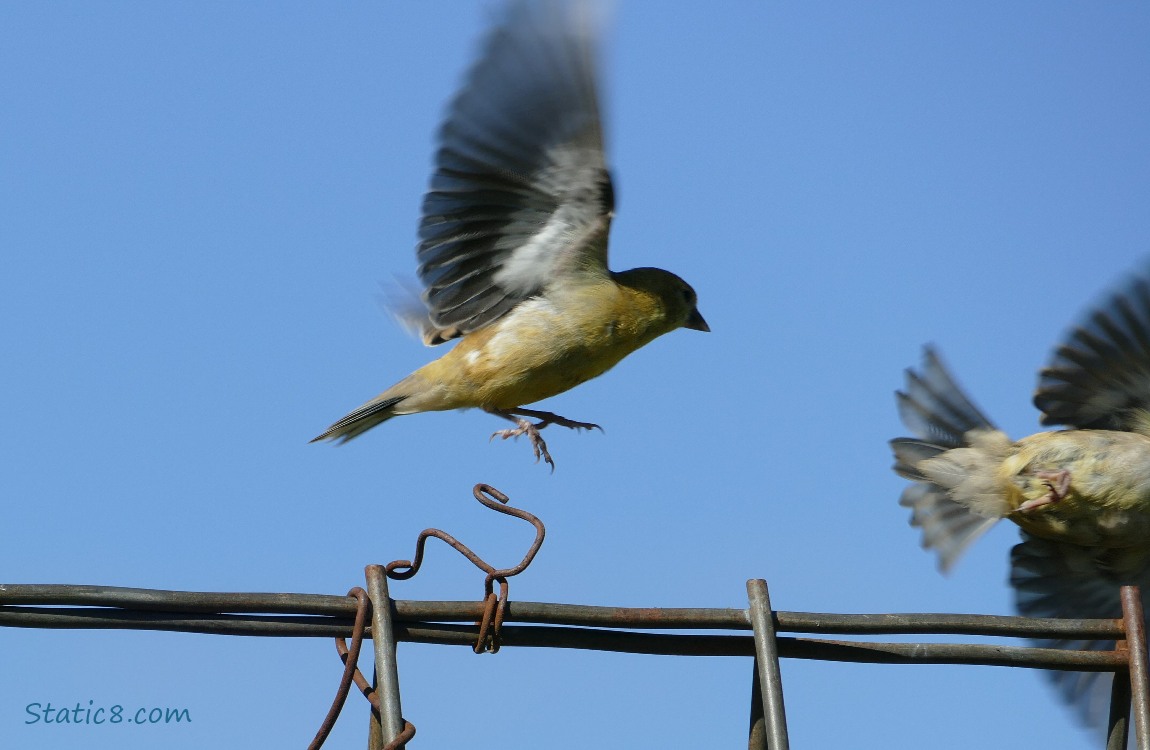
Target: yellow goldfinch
(1081, 495)
(513, 239)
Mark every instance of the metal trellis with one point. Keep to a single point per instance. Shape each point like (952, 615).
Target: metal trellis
(619, 629)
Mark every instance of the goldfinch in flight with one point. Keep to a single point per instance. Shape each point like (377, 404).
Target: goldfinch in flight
(513, 239)
(1081, 495)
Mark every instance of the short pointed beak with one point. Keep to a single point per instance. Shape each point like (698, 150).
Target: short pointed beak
(695, 321)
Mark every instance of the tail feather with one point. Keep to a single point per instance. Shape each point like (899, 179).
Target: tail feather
(362, 419)
(943, 419)
(947, 527)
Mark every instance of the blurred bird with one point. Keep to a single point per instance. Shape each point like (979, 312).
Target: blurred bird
(513, 239)
(1081, 495)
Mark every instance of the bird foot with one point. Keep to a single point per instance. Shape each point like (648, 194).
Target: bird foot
(1058, 484)
(538, 444)
(531, 430)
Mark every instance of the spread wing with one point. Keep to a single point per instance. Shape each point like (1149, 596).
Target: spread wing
(520, 195)
(1099, 378)
(934, 407)
(1052, 579)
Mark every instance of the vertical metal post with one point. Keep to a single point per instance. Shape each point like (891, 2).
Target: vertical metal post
(767, 665)
(1139, 679)
(375, 731)
(1118, 726)
(758, 735)
(386, 667)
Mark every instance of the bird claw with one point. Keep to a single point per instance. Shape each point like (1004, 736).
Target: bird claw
(538, 444)
(1058, 484)
(531, 430)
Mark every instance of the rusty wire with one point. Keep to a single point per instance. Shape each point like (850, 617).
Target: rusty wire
(372, 697)
(493, 605)
(403, 737)
(345, 654)
(351, 674)
(350, 670)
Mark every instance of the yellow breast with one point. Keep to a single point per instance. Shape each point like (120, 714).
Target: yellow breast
(1108, 501)
(545, 346)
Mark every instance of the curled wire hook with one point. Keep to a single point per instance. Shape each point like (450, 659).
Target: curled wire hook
(493, 605)
(350, 671)
(400, 570)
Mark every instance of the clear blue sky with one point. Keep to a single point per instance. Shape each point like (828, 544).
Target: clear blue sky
(199, 201)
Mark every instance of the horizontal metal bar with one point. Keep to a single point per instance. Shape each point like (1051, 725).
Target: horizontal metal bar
(909, 624)
(558, 614)
(175, 601)
(547, 636)
(94, 618)
(795, 648)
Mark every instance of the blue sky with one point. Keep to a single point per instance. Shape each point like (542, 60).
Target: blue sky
(198, 203)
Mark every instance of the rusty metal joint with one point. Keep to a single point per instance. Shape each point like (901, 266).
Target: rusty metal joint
(403, 737)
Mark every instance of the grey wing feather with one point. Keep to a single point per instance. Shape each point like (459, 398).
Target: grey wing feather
(1099, 378)
(909, 452)
(1052, 579)
(520, 190)
(936, 410)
